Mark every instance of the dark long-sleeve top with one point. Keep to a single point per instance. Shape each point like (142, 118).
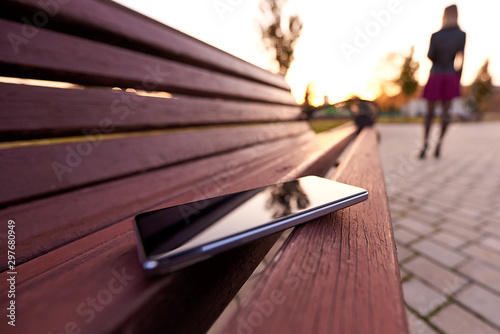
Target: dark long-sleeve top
(445, 44)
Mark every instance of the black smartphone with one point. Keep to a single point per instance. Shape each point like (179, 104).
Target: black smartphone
(178, 236)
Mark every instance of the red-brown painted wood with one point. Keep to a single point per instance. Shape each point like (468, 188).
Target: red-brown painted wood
(31, 111)
(94, 158)
(60, 57)
(337, 274)
(121, 26)
(54, 287)
(50, 222)
(77, 244)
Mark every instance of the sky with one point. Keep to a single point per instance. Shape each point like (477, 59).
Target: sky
(342, 42)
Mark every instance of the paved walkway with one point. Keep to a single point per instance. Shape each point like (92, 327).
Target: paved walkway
(446, 216)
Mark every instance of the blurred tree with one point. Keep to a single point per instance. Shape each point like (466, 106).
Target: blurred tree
(407, 81)
(395, 80)
(386, 71)
(277, 39)
(309, 96)
(481, 89)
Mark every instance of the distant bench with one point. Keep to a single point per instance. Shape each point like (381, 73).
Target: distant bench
(184, 121)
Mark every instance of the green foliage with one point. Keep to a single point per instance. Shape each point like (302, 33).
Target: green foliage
(481, 89)
(279, 41)
(407, 81)
(321, 125)
(309, 95)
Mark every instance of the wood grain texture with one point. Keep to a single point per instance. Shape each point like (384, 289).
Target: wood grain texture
(54, 288)
(36, 112)
(60, 57)
(123, 27)
(94, 159)
(337, 274)
(50, 222)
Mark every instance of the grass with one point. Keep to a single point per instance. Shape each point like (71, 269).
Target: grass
(320, 125)
(400, 120)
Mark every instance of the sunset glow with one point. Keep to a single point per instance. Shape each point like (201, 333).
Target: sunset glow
(342, 41)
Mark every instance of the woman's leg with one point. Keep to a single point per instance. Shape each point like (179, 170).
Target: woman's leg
(427, 125)
(445, 121)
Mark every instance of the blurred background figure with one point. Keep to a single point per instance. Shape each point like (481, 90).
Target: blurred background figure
(446, 52)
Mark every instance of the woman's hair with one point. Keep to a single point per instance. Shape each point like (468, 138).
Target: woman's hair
(450, 17)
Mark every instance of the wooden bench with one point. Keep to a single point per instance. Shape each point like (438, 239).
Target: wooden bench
(150, 117)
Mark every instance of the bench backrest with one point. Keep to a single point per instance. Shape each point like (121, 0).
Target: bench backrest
(127, 98)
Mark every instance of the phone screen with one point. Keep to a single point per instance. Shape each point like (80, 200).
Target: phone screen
(206, 223)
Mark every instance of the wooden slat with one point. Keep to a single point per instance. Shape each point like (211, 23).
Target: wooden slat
(60, 57)
(338, 274)
(34, 112)
(123, 27)
(64, 278)
(51, 222)
(59, 167)
(142, 305)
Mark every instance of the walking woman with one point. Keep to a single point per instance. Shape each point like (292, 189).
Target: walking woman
(446, 52)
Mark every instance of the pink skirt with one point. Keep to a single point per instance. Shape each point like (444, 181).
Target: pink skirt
(442, 87)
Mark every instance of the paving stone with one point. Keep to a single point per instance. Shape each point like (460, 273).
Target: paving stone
(415, 200)
(417, 325)
(395, 220)
(441, 278)
(412, 200)
(482, 302)
(432, 210)
(429, 211)
(483, 274)
(404, 274)
(483, 254)
(491, 229)
(421, 298)
(397, 206)
(448, 195)
(404, 236)
(403, 253)
(464, 231)
(492, 243)
(469, 211)
(439, 253)
(461, 218)
(454, 319)
(448, 239)
(479, 200)
(417, 192)
(496, 217)
(395, 215)
(453, 205)
(416, 225)
(422, 217)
